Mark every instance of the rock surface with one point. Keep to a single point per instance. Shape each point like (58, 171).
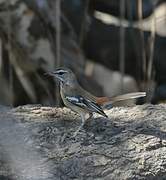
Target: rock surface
(36, 143)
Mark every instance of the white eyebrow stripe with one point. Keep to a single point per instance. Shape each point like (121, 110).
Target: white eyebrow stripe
(61, 71)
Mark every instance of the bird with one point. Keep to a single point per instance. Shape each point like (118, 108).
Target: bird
(81, 101)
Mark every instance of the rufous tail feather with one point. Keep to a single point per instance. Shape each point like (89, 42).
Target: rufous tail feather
(104, 101)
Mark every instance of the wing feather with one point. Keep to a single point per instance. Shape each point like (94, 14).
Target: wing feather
(86, 103)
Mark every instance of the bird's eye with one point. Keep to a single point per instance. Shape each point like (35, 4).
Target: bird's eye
(61, 73)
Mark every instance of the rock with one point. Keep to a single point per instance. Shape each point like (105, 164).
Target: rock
(36, 143)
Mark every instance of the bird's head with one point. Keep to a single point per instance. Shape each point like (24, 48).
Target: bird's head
(64, 75)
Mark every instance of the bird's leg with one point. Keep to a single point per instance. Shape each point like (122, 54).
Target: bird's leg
(82, 124)
(90, 116)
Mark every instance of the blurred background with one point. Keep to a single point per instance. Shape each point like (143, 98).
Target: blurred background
(114, 47)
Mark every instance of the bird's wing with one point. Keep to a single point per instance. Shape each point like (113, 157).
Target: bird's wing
(85, 104)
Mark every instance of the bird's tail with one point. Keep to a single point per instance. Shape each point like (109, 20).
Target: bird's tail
(110, 101)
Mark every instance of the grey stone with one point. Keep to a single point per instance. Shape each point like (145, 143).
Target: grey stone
(36, 143)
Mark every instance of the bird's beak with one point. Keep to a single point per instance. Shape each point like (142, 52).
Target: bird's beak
(50, 74)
